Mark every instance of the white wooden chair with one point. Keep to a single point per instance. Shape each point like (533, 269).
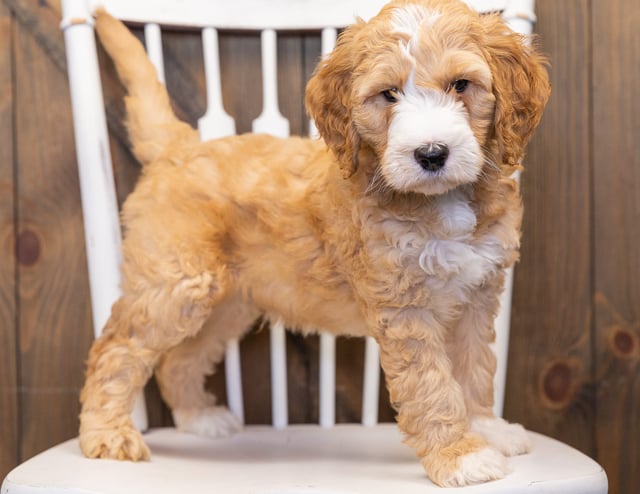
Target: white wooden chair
(328, 458)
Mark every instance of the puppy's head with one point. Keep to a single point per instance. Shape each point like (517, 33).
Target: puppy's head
(427, 94)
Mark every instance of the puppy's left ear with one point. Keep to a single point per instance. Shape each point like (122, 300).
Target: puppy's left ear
(520, 86)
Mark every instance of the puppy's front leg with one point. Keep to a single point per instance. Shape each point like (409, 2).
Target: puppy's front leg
(430, 403)
(474, 366)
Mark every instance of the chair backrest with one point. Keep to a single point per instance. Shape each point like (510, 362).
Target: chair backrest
(100, 208)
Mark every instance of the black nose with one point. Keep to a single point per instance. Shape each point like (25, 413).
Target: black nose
(432, 156)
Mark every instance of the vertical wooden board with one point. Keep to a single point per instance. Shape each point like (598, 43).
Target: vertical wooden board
(241, 77)
(291, 82)
(184, 70)
(302, 352)
(312, 46)
(303, 378)
(9, 424)
(549, 386)
(616, 171)
(126, 169)
(312, 54)
(350, 355)
(349, 379)
(54, 310)
(256, 383)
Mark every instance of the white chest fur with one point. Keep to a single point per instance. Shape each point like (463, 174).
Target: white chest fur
(454, 253)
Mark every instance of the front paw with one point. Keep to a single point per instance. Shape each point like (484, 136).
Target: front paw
(121, 443)
(466, 462)
(509, 439)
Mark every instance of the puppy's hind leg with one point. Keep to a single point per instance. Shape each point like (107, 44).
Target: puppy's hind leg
(151, 317)
(182, 371)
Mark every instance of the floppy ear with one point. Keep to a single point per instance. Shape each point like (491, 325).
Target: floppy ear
(520, 86)
(328, 101)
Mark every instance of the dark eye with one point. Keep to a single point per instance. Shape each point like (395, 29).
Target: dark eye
(391, 95)
(460, 85)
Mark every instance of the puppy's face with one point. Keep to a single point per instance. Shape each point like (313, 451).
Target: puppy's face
(432, 92)
(425, 102)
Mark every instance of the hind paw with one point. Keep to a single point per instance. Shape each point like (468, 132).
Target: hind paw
(210, 421)
(509, 439)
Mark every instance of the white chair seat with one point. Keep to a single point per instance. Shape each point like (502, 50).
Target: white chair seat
(306, 459)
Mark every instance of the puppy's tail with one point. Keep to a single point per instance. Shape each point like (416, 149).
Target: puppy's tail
(152, 124)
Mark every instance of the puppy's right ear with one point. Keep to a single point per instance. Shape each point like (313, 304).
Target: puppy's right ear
(329, 103)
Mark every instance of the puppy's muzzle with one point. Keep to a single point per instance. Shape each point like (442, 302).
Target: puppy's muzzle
(432, 157)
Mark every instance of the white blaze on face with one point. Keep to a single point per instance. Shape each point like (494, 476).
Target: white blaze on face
(409, 20)
(424, 117)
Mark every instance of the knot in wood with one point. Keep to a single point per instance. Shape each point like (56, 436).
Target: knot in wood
(28, 248)
(557, 384)
(623, 342)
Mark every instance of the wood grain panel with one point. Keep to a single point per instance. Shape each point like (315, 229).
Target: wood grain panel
(292, 82)
(553, 386)
(9, 424)
(42, 19)
(241, 77)
(616, 171)
(54, 310)
(256, 382)
(549, 386)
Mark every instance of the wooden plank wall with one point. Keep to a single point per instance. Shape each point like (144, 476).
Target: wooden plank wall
(616, 207)
(575, 345)
(9, 423)
(551, 313)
